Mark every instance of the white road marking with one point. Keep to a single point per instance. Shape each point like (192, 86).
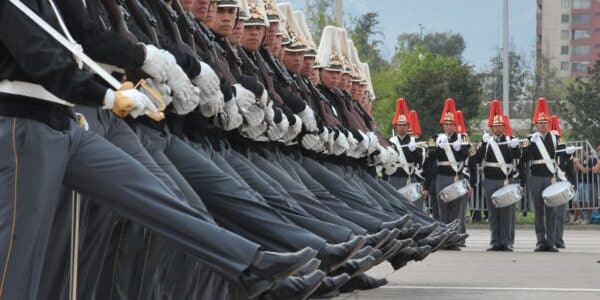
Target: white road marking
(478, 288)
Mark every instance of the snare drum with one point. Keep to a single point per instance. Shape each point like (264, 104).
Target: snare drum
(507, 195)
(412, 192)
(558, 193)
(454, 191)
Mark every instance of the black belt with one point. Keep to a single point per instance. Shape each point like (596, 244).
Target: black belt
(54, 115)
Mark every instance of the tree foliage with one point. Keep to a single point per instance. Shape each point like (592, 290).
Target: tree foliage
(425, 80)
(584, 95)
(440, 43)
(319, 13)
(367, 39)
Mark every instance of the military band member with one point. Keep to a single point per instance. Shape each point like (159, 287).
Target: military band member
(544, 169)
(497, 155)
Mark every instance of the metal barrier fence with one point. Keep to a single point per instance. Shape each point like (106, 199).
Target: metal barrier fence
(587, 177)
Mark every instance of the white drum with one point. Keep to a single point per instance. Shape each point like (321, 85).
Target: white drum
(507, 195)
(558, 193)
(454, 191)
(412, 192)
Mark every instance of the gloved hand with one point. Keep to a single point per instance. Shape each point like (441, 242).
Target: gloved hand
(128, 100)
(295, 127)
(245, 97)
(486, 138)
(312, 141)
(570, 150)
(412, 145)
(251, 84)
(256, 133)
(278, 123)
(338, 142)
(163, 88)
(157, 63)
(380, 155)
(207, 81)
(229, 118)
(324, 137)
(363, 142)
(535, 137)
(308, 119)
(514, 143)
(352, 142)
(373, 142)
(263, 99)
(441, 140)
(456, 145)
(186, 95)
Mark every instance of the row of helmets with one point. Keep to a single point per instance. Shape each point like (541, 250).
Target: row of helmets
(336, 51)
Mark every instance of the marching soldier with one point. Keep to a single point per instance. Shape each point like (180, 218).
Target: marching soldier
(542, 155)
(497, 153)
(449, 156)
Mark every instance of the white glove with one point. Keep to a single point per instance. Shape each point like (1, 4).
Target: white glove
(382, 156)
(186, 95)
(207, 81)
(456, 145)
(570, 150)
(312, 142)
(486, 138)
(140, 104)
(255, 133)
(293, 130)
(363, 146)
(373, 142)
(308, 119)
(254, 116)
(211, 105)
(535, 137)
(324, 137)
(163, 88)
(245, 98)
(514, 143)
(337, 146)
(263, 99)
(81, 121)
(157, 63)
(441, 140)
(352, 142)
(276, 130)
(412, 145)
(229, 118)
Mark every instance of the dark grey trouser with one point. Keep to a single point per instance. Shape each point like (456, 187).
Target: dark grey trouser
(260, 177)
(545, 217)
(399, 182)
(34, 155)
(433, 201)
(236, 206)
(454, 210)
(307, 190)
(501, 219)
(354, 207)
(560, 224)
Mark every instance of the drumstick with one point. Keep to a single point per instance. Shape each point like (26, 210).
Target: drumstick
(563, 150)
(417, 143)
(508, 142)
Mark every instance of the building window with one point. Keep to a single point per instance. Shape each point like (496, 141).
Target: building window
(564, 18)
(564, 34)
(581, 34)
(578, 4)
(564, 49)
(564, 65)
(581, 18)
(580, 66)
(582, 50)
(565, 3)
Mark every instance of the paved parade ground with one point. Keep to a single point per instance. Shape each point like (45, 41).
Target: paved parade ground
(473, 273)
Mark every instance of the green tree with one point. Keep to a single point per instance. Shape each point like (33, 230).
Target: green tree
(584, 95)
(367, 39)
(520, 83)
(442, 43)
(426, 80)
(319, 13)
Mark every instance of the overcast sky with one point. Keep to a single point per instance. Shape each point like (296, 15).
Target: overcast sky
(479, 22)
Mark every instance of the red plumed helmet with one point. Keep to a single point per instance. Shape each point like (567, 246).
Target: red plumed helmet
(496, 116)
(449, 112)
(507, 129)
(555, 125)
(460, 123)
(415, 124)
(401, 115)
(542, 112)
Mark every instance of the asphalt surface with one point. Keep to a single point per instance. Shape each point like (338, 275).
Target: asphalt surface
(473, 273)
